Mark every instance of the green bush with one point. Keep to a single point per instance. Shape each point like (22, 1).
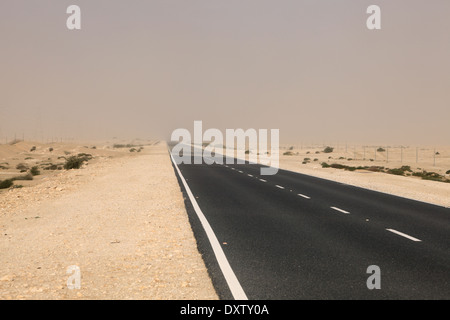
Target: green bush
(5, 184)
(74, 162)
(397, 172)
(28, 176)
(328, 150)
(381, 150)
(35, 171)
(22, 166)
(448, 172)
(325, 165)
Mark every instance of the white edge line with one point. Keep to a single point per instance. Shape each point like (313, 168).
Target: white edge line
(281, 187)
(262, 180)
(340, 210)
(232, 281)
(404, 235)
(302, 195)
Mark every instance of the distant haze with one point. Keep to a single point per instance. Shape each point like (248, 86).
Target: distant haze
(143, 68)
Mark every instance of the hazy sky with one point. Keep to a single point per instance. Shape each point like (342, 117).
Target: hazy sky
(142, 68)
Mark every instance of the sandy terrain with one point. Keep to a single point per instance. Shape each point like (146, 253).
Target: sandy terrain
(418, 158)
(121, 219)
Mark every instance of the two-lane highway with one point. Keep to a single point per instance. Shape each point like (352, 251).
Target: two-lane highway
(293, 236)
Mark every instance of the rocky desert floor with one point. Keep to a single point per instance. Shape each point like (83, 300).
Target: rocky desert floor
(119, 223)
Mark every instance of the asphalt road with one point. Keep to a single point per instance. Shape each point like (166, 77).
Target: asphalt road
(293, 236)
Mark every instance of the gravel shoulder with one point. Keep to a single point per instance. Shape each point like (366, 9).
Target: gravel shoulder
(121, 220)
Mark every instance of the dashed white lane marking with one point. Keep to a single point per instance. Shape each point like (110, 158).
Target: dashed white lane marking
(302, 195)
(233, 169)
(262, 180)
(281, 187)
(404, 235)
(340, 210)
(230, 277)
(240, 171)
(250, 175)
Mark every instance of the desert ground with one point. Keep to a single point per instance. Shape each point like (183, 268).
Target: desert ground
(119, 218)
(423, 169)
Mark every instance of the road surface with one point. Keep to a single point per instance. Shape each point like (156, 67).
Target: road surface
(293, 236)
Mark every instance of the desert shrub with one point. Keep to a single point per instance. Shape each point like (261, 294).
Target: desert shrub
(74, 162)
(397, 171)
(22, 166)
(66, 153)
(307, 159)
(33, 148)
(307, 152)
(325, 165)
(288, 153)
(448, 172)
(28, 176)
(430, 176)
(124, 145)
(316, 159)
(328, 150)
(341, 158)
(5, 184)
(317, 152)
(51, 167)
(85, 156)
(291, 148)
(134, 150)
(35, 171)
(305, 162)
(28, 158)
(3, 167)
(338, 166)
(381, 150)
(375, 169)
(50, 149)
(406, 168)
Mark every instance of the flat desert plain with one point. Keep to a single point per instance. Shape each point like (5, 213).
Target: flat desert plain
(374, 168)
(120, 220)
